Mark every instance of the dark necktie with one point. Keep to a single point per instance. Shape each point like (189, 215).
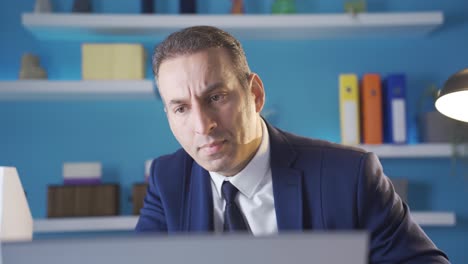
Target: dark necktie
(233, 220)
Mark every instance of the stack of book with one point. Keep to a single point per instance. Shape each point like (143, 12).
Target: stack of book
(83, 193)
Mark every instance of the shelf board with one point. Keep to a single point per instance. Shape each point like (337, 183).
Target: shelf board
(75, 90)
(434, 218)
(85, 224)
(60, 26)
(436, 150)
(128, 223)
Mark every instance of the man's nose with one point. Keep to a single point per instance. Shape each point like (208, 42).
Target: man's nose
(204, 121)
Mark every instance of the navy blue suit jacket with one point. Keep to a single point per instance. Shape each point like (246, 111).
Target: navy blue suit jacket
(317, 185)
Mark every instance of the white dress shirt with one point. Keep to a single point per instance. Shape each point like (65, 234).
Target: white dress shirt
(255, 198)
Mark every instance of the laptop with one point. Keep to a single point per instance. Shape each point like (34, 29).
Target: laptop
(307, 247)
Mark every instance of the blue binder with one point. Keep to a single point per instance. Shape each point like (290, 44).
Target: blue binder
(394, 108)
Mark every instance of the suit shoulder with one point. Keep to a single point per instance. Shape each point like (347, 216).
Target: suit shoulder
(174, 163)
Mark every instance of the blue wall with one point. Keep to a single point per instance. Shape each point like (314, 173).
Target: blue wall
(301, 83)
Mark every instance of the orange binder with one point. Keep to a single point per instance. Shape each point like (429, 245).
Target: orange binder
(371, 109)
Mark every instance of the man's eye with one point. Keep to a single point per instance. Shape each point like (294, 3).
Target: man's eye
(217, 97)
(180, 110)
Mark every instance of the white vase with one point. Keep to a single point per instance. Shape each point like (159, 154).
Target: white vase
(42, 6)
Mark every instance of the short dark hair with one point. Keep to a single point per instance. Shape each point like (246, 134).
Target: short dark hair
(193, 39)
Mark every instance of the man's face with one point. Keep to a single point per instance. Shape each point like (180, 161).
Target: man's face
(213, 117)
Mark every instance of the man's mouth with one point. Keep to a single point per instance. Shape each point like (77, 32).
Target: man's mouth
(213, 147)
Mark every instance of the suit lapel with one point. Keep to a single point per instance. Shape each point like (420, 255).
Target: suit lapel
(200, 204)
(287, 183)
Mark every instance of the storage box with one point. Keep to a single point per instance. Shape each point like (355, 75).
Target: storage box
(138, 195)
(82, 200)
(113, 61)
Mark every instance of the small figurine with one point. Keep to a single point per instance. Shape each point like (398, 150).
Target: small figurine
(82, 6)
(188, 6)
(147, 6)
(31, 68)
(355, 7)
(43, 6)
(237, 7)
(283, 7)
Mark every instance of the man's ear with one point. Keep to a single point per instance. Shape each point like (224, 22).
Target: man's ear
(257, 90)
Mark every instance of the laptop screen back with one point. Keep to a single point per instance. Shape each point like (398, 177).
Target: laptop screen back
(323, 247)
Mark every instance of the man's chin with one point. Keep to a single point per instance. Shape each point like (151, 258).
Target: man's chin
(218, 165)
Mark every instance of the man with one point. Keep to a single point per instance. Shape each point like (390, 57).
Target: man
(237, 172)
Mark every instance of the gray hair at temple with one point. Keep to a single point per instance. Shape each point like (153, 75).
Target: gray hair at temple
(193, 39)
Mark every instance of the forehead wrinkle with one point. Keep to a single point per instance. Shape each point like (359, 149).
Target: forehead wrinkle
(200, 74)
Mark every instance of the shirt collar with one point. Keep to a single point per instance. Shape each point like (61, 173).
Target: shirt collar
(248, 179)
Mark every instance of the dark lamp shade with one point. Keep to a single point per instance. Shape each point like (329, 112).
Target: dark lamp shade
(453, 97)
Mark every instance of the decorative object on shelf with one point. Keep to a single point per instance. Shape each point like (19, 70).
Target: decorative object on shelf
(82, 6)
(436, 128)
(237, 7)
(355, 7)
(283, 7)
(147, 6)
(43, 6)
(188, 6)
(82, 173)
(82, 200)
(31, 68)
(113, 61)
(453, 97)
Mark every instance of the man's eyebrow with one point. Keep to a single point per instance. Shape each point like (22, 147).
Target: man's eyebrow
(211, 88)
(175, 102)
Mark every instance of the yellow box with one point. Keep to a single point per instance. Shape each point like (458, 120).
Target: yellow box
(113, 61)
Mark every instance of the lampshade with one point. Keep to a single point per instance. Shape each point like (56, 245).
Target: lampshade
(453, 97)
